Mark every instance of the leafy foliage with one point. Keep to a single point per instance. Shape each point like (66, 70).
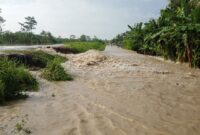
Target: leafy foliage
(14, 80)
(29, 24)
(55, 72)
(27, 38)
(174, 35)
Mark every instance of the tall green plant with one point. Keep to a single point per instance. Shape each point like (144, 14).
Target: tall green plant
(175, 34)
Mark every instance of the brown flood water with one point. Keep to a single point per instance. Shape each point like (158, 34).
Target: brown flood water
(126, 94)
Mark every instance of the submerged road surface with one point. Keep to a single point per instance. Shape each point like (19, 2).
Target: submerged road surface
(118, 92)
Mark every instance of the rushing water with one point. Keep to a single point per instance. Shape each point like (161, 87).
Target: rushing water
(25, 47)
(127, 94)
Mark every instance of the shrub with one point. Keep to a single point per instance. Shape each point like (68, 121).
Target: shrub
(14, 80)
(55, 72)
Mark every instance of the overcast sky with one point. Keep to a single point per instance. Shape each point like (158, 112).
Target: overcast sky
(103, 18)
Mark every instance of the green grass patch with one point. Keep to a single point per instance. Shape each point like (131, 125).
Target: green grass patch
(81, 47)
(55, 72)
(14, 80)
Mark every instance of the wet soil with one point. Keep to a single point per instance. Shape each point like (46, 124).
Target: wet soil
(25, 59)
(65, 50)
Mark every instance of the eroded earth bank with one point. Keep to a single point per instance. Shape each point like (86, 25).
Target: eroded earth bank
(115, 92)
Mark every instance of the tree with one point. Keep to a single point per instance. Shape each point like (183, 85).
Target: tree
(174, 35)
(72, 37)
(29, 24)
(134, 39)
(180, 35)
(1, 22)
(88, 38)
(83, 38)
(45, 39)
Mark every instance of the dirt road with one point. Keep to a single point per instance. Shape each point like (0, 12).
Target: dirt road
(115, 92)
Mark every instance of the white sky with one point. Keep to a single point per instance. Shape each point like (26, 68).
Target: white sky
(103, 18)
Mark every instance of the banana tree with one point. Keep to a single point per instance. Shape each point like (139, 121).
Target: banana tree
(134, 38)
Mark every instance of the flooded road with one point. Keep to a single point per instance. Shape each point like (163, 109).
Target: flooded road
(115, 92)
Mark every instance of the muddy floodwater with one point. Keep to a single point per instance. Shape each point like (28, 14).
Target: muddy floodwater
(115, 92)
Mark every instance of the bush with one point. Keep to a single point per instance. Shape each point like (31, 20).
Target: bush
(14, 80)
(55, 72)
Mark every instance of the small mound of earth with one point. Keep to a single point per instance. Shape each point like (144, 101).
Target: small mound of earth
(89, 58)
(93, 58)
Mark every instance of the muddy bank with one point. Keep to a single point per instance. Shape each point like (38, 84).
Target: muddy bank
(25, 59)
(115, 92)
(65, 50)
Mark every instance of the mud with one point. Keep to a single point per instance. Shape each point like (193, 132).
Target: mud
(122, 93)
(26, 60)
(65, 50)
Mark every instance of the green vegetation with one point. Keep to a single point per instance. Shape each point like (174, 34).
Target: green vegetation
(29, 24)
(174, 35)
(26, 35)
(80, 47)
(55, 72)
(27, 38)
(14, 80)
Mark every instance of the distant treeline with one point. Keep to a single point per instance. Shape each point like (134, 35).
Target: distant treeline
(26, 36)
(10, 38)
(174, 35)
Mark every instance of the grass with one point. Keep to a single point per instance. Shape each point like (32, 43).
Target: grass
(81, 47)
(55, 72)
(14, 80)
